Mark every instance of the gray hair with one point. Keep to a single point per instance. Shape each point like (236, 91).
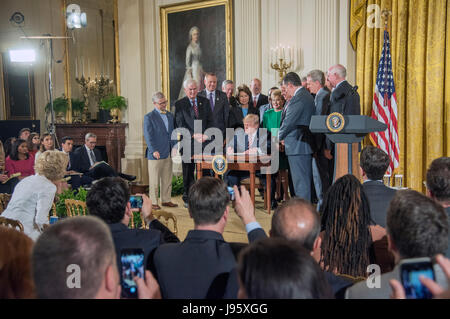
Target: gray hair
(157, 96)
(226, 82)
(89, 135)
(83, 241)
(317, 76)
(340, 70)
(194, 28)
(188, 82)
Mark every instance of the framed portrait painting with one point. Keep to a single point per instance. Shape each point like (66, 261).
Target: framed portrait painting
(196, 38)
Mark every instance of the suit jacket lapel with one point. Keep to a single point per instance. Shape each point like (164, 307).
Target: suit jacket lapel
(160, 120)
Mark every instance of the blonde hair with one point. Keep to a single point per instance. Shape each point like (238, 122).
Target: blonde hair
(52, 165)
(252, 118)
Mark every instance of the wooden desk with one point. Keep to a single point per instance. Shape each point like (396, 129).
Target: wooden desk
(112, 136)
(246, 163)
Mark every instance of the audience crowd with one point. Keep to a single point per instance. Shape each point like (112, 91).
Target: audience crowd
(324, 235)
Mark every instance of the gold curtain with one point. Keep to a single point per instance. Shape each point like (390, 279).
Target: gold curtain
(420, 49)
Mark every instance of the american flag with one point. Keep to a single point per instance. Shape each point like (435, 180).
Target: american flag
(385, 109)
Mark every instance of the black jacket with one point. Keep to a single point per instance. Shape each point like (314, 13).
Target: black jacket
(80, 159)
(262, 100)
(345, 100)
(221, 111)
(236, 118)
(379, 197)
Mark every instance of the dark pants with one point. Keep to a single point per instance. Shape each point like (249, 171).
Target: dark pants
(100, 171)
(77, 181)
(8, 187)
(188, 178)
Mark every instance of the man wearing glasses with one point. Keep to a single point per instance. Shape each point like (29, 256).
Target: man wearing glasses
(158, 127)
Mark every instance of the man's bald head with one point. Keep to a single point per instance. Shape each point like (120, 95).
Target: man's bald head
(296, 220)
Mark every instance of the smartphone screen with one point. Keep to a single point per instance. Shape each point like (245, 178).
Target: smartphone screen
(410, 273)
(132, 264)
(231, 192)
(136, 201)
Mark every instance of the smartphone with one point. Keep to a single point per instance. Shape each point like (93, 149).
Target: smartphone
(136, 201)
(132, 264)
(410, 271)
(231, 192)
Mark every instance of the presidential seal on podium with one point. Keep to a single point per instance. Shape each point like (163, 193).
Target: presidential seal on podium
(335, 122)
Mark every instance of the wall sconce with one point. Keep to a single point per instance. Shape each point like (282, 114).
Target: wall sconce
(281, 59)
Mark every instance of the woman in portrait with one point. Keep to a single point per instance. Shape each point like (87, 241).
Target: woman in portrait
(20, 161)
(33, 197)
(194, 68)
(242, 109)
(47, 144)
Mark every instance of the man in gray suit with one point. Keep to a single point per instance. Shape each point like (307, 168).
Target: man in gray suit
(374, 163)
(295, 135)
(218, 101)
(417, 227)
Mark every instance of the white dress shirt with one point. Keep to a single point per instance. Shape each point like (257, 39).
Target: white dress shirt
(31, 203)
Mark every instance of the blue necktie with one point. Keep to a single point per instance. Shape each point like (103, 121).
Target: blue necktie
(211, 101)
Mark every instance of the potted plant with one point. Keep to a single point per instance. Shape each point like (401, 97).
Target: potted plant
(60, 106)
(77, 109)
(114, 104)
(68, 194)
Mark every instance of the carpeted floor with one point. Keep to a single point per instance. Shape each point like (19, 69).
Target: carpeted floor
(234, 231)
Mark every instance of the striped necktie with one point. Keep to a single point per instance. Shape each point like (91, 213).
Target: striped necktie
(195, 108)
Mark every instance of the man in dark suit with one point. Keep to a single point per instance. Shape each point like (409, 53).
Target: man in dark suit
(76, 179)
(199, 267)
(88, 160)
(228, 88)
(108, 199)
(374, 163)
(322, 153)
(158, 128)
(258, 99)
(438, 186)
(188, 110)
(295, 135)
(218, 102)
(344, 97)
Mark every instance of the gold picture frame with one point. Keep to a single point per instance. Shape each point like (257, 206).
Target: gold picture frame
(215, 45)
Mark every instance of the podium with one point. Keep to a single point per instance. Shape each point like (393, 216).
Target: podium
(346, 131)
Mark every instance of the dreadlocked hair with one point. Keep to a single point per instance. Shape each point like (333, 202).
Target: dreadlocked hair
(345, 221)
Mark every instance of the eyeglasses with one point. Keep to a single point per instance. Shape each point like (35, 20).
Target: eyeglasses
(163, 103)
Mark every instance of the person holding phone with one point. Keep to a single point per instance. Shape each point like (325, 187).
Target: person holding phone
(417, 227)
(81, 243)
(109, 199)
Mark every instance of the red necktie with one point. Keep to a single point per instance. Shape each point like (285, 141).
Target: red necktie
(195, 108)
(255, 101)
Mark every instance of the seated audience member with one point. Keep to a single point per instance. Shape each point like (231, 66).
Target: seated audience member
(47, 144)
(350, 239)
(6, 185)
(242, 109)
(86, 242)
(438, 185)
(417, 227)
(195, 268)
(373, 165)
(20, 161)
(76, 179)
(108, 199)
(24, 133)
(33, 143)
(298, 220)
(88, 160)
(9, 145)
(279, 269)
(33, 197)
(16, 281)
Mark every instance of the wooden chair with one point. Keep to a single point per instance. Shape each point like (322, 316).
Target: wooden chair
(135, 221)
(11, 223)
(258, 185)
(351, 278)
(166, 216)
(75, 208)
(4, 200)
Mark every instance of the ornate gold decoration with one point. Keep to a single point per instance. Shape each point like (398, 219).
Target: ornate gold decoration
(219, 164)
(75, 207)
(115, 114)
(335, 122)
